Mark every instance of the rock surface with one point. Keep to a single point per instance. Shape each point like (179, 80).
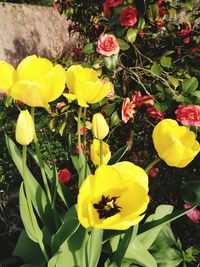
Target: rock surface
(27, 29)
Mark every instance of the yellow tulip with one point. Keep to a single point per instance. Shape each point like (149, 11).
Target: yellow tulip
(7, 76)
(37, 81)
(85, 86)
(25, 129)
(115, 197)
(175, 144)
(95, 152)
(99, 126)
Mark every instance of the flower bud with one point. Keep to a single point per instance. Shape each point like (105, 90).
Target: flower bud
(99, 126)
(25, 129)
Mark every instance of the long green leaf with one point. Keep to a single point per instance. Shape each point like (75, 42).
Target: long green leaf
(118, 155)
(67, 229)
(94, 246)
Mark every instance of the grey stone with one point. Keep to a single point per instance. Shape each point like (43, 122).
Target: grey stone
(27, 29)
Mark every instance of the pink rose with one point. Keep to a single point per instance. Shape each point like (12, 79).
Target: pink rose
(64, 176)
(154, 113)
(194, 214)
(60, 105)
(128, 110)
(128, 17)
(114, 2)
(107, 10)
(186, 40)
(188, 115)
(107, 45)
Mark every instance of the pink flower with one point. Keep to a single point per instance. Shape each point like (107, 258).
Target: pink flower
(141, 34)
(128, 17)
(159, 2)
(60, 105)
(113, 3)
(56, 5)
(188, 115)
(179, 53)
(153, 171)
(138, 99)
(127, 110)
(107, 45)
(154, 113)
(64, 176)
(159, 23)
(111, 93)
(186, 40)
(81, 150)
(82, 131)
(185, 29)
(194, 214)
(162, 11)
(107, 10)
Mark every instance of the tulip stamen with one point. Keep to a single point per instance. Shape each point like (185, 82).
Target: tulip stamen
(107, 207)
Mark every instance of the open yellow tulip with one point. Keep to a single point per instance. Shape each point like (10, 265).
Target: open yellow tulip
(25, 128)
(175, 144)
(115, 197)
(85, 86)
(37, 82)
(95, 152)
(7, 76)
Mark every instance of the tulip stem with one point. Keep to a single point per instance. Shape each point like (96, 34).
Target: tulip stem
(84, 129)
(79, 129)
(148, 168)
(29, 203)
(41, 164)
(101, 151)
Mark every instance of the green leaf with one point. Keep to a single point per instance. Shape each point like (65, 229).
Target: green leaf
(110, 109)
(27, 219)
(62, 128)
(131, 35)
(111, 62)
(120, 31)
(29, 251)
(174, 81)
(168, 52)
(166, 61)
(89, 48)
(118, 155)
(156, 69)
(169, 257)
(191, 192)
(147, 238)
(123, 45)
(94, 246)
(152, 12)
(38, 196)
(115, 120)
(179, 98)
(122, 247)
(141, 24)
(67, 229)
(161, 106)
(196, 93)
(190, 85)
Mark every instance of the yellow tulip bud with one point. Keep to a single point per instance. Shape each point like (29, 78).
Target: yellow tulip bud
(95, 152)
(175, 144)
(99, 126)
(25, 129)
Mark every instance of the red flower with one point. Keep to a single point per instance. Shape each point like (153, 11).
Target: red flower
(107, 45)
(159, 23)
(159, 2)
(138, 99)
(56, 5)
(81, 149)
(185, 29)
(188, 115)
(179, 53)
(141, 34)
(113, 3)
(64, 176)
(186, 40)
(154, 113)
(128, 17)
(194, 214)
(76, 52)
(162, 11)
(107, 10)
(153, 171)
(127, 110)
(195, 49)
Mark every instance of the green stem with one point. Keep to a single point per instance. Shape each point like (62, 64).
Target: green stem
(79, 129)
(101, 151)
(148, 168)
(29, 203)
(84, 136)
(41, 164)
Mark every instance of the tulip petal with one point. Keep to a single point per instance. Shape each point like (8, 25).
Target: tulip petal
(132, 173)
(7, 76)
(33, 94)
